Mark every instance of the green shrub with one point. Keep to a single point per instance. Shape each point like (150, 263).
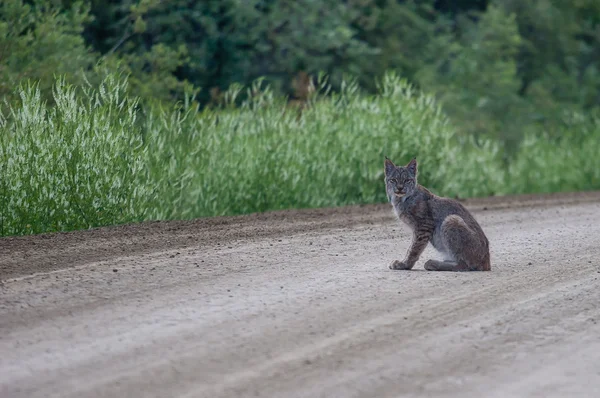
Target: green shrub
(568, 162)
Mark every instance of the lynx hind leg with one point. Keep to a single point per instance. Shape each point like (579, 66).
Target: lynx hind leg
(463, 248)
(435, 265)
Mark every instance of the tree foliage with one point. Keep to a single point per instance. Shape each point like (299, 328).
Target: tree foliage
(38, 40)
(500, 68)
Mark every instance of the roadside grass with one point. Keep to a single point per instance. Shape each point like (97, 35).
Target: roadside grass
(98, 157)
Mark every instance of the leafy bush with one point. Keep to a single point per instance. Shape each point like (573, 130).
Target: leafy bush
(39, 39)
(569, 162)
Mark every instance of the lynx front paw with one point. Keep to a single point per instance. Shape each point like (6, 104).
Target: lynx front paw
(399, 265)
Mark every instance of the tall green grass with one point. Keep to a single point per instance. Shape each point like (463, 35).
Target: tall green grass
(99, 158)
(78, 164)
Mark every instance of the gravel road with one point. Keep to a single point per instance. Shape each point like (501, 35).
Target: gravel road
(302, 304)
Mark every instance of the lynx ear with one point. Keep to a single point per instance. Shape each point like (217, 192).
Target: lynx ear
(389, 166)
(412, 166)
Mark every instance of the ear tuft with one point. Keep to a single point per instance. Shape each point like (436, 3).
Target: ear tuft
(412, 166)
(389, 166)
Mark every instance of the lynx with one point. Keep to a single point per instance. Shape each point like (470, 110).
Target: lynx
(444, 222)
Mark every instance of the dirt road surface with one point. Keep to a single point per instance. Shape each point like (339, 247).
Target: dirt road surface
(302, 304)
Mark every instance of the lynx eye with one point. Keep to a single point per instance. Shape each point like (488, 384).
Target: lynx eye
(392, 181)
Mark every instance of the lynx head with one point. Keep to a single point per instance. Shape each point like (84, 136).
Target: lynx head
(400, 181)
